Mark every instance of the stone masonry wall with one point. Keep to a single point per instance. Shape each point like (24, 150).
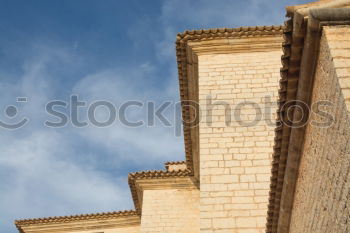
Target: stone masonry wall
(170, 211)
(321, 201)
(235, 157)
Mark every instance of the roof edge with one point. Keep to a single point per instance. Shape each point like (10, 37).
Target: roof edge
(174, 162)
(224, 32)
(151, 174)
(75, 218)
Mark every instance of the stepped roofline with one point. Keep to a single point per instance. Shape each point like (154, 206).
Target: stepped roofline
(174, 175)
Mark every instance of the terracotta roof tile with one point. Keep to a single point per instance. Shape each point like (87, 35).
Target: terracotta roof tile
(175, 163)
(287, 92)
(73, 218)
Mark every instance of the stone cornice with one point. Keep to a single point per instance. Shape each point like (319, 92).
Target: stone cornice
(158, 179)
(303, 9)
(237, 45)
(79, 222)
(188, 44)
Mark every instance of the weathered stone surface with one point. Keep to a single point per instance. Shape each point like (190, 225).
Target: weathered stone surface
(322, 194)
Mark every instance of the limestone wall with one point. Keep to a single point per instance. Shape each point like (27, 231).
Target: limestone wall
(235, 158)
(321, 201)
(170, 211)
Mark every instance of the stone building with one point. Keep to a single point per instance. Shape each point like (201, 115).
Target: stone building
(252, 165)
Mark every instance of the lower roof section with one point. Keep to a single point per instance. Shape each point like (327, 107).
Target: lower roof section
(80, 223)
(157, 180)
(176, 176)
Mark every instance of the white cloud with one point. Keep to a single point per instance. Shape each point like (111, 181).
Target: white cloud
(156, 143)
(39, 174)
(43, 183)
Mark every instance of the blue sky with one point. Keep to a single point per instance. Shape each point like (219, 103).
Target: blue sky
(100, 50)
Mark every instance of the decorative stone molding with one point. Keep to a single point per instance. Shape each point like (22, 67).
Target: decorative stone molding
(303, 9)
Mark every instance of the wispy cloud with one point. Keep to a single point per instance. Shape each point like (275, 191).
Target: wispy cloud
(42, 171)
(153, 143)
